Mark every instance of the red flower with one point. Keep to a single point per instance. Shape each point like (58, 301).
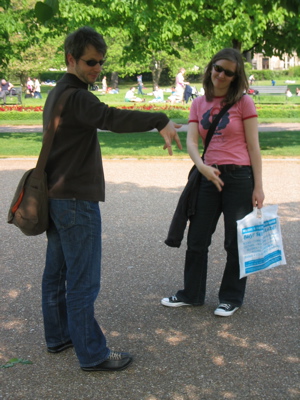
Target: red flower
(21, 108)
(142, 107)
(153, 107)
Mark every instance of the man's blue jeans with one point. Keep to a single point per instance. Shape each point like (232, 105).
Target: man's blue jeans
(71, 280)
(234, 201)
(140, 88)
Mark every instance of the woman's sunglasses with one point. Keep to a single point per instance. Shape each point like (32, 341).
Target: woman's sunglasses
(220, 69)
(92, 63)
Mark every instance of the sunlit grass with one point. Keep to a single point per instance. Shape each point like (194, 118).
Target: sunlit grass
(144, 145)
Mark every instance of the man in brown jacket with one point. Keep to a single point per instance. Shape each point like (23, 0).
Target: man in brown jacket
(71, 279)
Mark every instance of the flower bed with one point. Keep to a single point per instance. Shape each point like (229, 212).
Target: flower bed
(176, 111)
(22, 113)
(20, 108)
(154, 107)
(144, 107)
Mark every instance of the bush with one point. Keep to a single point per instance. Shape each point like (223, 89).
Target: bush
(278, 111)
(52, 75)
(268, 75)
(21, 116)
(294, 72)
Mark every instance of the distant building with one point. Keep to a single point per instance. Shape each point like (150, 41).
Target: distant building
(260, 61)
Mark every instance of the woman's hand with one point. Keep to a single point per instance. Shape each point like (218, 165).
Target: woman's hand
(258, 197)
(251, 133)
(212, 174)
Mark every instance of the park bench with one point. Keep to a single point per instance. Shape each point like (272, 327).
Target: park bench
(270, 89)
(258, 91)
(14, 96)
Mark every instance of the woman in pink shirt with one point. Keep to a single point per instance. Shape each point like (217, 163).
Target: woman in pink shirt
(231, 179)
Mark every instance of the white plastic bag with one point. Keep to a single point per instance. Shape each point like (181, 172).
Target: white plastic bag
(259, 241)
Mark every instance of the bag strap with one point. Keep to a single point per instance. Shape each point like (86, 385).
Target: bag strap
(213, 126)
(50, 132)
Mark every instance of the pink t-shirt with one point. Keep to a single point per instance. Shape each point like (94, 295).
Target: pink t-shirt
(228, 144)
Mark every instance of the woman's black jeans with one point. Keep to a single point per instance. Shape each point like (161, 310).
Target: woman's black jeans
(234, 201)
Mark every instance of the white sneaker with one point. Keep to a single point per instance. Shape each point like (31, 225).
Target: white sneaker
(225, 310)
(173, 302)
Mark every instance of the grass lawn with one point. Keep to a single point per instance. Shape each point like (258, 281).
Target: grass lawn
(117, 99)
(271, 108)
(145, 145)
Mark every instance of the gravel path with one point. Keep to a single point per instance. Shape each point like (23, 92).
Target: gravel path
(180, 354)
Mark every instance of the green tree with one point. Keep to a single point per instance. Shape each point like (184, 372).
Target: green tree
(192, 60)
(148, 38)
(156, 25)
(149, 34)
(26, 47)
(36, 59)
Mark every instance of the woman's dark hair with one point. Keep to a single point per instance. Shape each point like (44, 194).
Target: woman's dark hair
(240, 82)
(77, 42)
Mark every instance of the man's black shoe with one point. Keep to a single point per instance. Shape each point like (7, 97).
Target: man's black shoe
(60, 347)
(115, 362)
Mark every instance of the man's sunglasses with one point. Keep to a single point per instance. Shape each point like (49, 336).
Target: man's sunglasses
(92, 63)
(220, 69)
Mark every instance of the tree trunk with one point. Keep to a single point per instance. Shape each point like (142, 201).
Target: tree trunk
(23, 79)
(114, 80)
(248, 56)
(156, 70)
(236, 44)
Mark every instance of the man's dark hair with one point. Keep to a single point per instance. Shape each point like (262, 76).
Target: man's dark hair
(77, 42)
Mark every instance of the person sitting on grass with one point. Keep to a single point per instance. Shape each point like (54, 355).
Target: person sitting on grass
(130, 96)
(158, 95)
(288, 93)
(174, 98)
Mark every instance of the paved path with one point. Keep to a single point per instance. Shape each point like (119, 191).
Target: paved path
(180, 354)
(290, 126)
